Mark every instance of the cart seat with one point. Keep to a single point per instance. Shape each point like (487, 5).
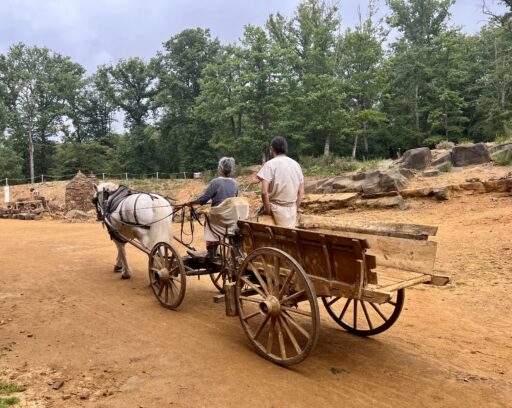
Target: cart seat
(223, 219)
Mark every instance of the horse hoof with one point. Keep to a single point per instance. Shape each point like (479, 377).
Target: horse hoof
(118, 269)
(125, 277)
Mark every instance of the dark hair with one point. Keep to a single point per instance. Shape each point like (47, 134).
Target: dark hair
(279, 145)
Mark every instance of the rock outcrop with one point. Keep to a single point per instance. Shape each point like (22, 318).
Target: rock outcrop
(417, 159)
(465, 155)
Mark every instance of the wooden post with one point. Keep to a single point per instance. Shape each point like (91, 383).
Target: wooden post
(126, 176)
(230, 292)
(103, 176)
(157, 175)
(42, 178)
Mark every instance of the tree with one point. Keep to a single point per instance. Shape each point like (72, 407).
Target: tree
(184, 134)
(36, 80)
(411, 70)
(360, 65)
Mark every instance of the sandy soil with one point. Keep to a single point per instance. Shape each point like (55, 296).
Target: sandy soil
(64, 316)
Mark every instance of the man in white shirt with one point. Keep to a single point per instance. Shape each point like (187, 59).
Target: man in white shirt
(282, 185)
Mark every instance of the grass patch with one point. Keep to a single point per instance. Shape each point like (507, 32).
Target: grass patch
(445, 167)
(8, 402)
(8, 388)
(503, 138)
(464, 141)
(503, 158)
(333, 165)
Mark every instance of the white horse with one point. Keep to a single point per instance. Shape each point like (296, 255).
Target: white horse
(145, 217)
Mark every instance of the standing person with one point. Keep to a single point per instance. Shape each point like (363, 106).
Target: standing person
(220, 188)
(282, 185)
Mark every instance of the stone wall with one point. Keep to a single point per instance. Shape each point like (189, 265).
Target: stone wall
(79, 193)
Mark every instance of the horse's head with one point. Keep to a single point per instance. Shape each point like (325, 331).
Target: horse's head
(101, 194)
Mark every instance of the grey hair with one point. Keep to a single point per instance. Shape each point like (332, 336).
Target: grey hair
(227, 166)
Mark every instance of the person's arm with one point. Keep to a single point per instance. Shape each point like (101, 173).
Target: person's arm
(265, 197)
(205, 197)
(300, 195)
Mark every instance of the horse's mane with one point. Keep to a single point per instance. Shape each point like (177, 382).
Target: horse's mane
(110, 187)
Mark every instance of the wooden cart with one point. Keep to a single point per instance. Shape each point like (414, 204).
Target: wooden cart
(273, 276)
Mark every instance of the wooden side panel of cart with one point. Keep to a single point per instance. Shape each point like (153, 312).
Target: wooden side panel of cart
(365, 266)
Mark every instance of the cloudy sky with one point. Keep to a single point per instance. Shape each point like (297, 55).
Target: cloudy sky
(93, 32)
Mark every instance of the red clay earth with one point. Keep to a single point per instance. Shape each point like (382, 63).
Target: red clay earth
(65, 316)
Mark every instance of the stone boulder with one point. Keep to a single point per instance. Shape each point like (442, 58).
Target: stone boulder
(418, 159)
(466, 155)
(77, 215)
(378, 181)
(441, 158)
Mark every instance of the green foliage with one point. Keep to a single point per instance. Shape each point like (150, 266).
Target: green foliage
(10, 163)
(6, 402)
(332, 165)
(87, 157)
(503, 138)
(446, 167)
(8, 388)
(329, 92)
(503, 158)
(431, 141)
(464, 141)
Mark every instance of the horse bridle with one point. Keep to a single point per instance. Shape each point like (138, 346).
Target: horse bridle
(100, 214)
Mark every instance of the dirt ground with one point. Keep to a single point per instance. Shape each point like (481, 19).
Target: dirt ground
(65, 316)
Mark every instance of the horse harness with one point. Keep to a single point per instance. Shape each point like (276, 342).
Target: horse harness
(111, 201)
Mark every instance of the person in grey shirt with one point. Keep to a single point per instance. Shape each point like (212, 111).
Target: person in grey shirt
(217, 191)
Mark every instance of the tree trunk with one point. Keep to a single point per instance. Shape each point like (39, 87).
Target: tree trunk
(365, 138)
(354, 148)
(416, 112)
(233, 125)
(263, 157)
(327, 145)
(31, 150)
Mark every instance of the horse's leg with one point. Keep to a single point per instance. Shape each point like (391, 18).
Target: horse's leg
(121, 253)
(118, 267)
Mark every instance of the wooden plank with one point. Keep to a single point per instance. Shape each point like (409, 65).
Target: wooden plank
(406, 283)
(396, 253)
(410, 231)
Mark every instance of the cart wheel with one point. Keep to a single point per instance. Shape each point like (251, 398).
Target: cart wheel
(277, 306)
(365, 318)
(167, 275)
(226, 267)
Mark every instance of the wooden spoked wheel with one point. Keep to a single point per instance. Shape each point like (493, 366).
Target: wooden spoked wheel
(167, 275)
(277, 306)
(365, 318)
(226, 264)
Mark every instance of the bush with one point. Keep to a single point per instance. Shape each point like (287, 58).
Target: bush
(333, 165)
(445, 167)
(464, 141)
(503, 138)
(503, 158)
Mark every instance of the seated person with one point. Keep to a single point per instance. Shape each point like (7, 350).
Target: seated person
(217, 191)
(34, 192)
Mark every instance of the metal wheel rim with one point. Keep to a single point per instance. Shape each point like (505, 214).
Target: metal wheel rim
(167, 276)
(377, 319)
